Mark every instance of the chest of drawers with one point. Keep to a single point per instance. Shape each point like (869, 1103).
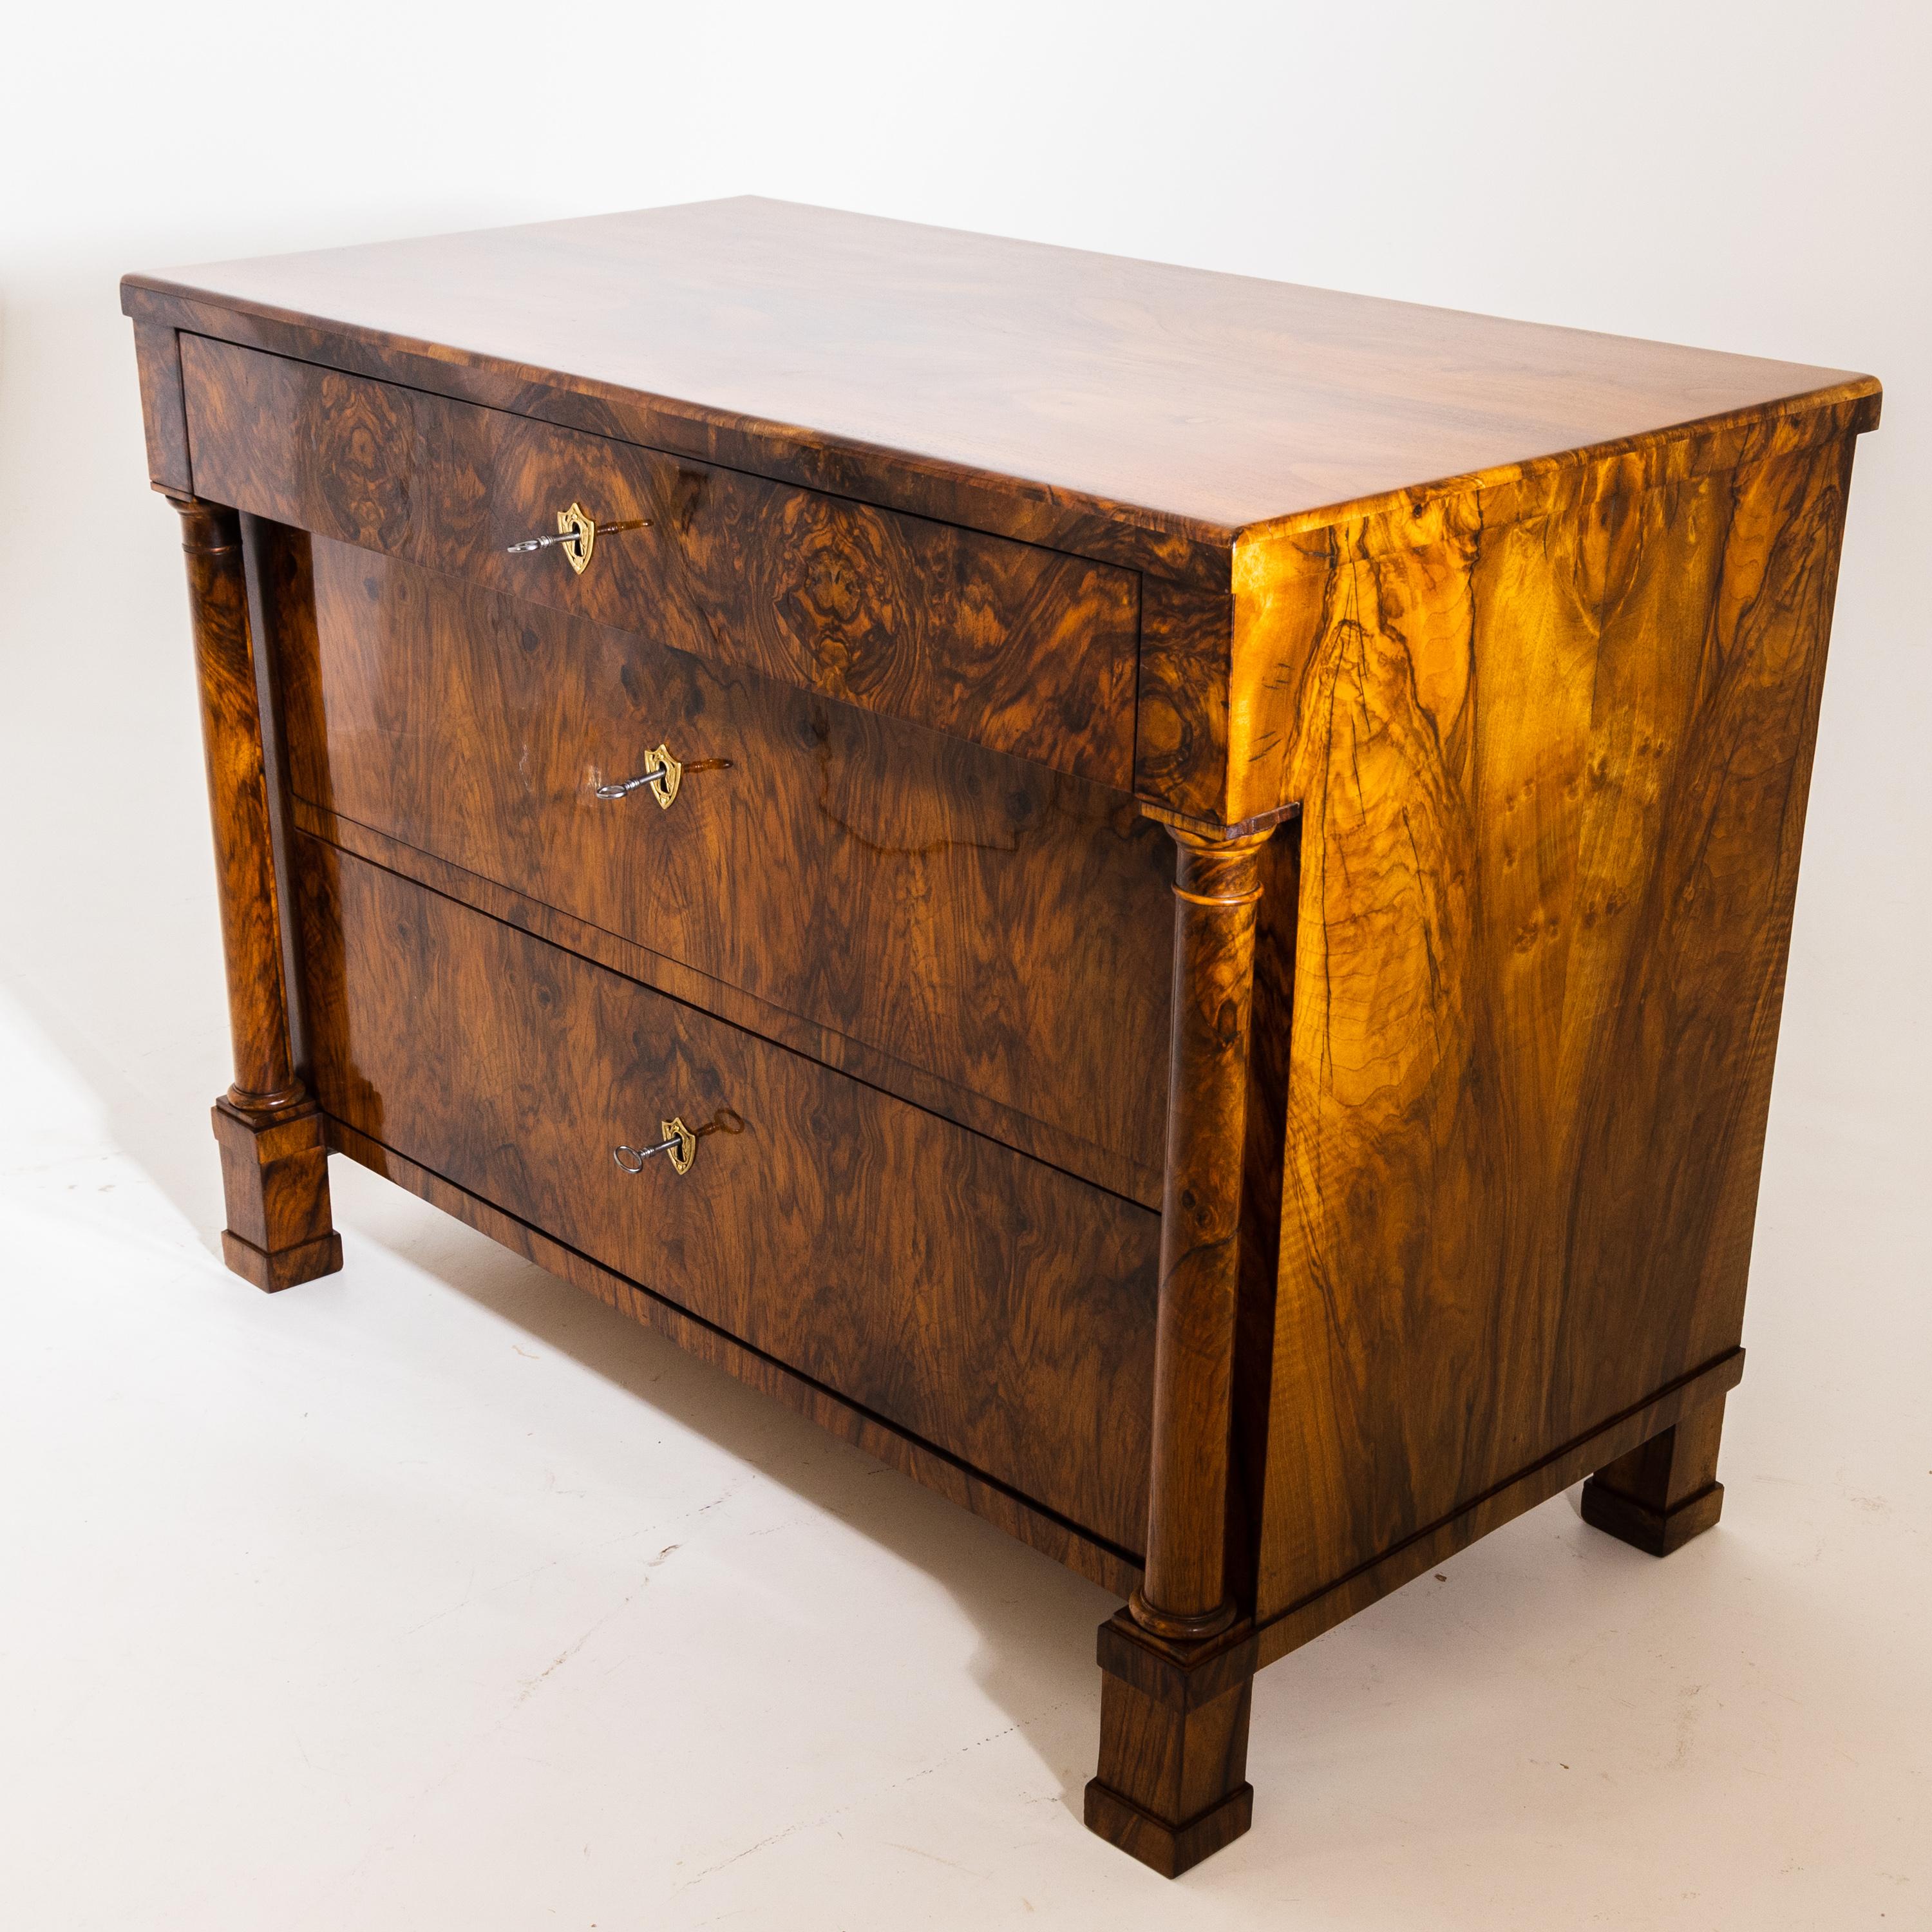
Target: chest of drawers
(1163, 897)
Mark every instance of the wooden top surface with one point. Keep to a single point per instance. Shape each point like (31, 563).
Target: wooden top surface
(1201, 403)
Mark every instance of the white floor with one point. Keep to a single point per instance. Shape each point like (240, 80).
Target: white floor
(435, 1595)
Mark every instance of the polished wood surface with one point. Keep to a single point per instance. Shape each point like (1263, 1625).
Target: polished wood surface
(1548, 1475)
(1029, 1134)
(1473, 668)
(274, 1180)
(977, 1300)
(883, 355)
(1659, 1496)
(1172, 1788)
(1216, 890)
(1020, 648)
(1259, 1239)
(274, 1163)
(163, 408)
(1554, 779)
(1115, 1569)
(1226, 681)
(231, 733)
(1000, 926)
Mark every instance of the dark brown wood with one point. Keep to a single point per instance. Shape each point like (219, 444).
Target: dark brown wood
(1115, 1569)
(1488, 656)
(274, 1174)
(1181, 701)
(1172, 1787)
(231, 724)
(1184, 1593)
(274, 1168)
(1082, 1158)
(163, 407)
(891, 1256)
(1000, 925)
(1259, 1264)
(1659, 1496)
(1022, 649)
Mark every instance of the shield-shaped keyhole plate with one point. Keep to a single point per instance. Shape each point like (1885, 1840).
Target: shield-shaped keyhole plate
(582, 531)
(687, 1144)
(661, 760)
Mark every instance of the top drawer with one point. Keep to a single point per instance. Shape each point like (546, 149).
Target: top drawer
(1022, 649)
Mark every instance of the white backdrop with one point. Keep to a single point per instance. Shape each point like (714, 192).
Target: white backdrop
(1744, 176)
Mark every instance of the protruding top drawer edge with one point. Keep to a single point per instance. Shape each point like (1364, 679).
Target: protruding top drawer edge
(1027, 650)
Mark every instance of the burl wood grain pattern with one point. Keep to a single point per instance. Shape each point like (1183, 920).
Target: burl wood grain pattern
(1030, 1135)
(1488, 655)
(1225, 670)
(163, 408)
(274, 1162)
(1131, 411)
(231, 730)
(1216, 890)
(997, 924)
(976, 1300)
(1020, 648)
(1553, 776)
(1113, 1569)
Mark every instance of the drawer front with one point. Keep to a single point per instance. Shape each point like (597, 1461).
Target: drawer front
(988, 1305)
(1023, 649)
(996, 924)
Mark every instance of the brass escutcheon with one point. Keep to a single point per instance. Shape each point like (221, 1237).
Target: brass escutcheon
(667, 771)
(576, 535)
(582, 531)
(678, 1141)
(662, 772)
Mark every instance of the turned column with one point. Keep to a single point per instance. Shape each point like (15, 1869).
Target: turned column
(1178, 1668)
(274, 1155)
(1184, 1596)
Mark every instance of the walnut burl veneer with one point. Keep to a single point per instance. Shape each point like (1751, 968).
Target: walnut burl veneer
(1163, 897)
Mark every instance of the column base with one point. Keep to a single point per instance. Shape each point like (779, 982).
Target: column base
(274, 1174)
(1171, 1787)
(1167, 1849)
(286, 1267)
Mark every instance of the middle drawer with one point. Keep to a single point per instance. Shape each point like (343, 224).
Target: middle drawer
(1002, 927)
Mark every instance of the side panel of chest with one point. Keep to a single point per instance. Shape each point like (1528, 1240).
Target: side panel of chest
(1553, 776)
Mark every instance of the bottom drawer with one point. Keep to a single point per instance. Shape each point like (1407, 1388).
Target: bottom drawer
(992, 1306)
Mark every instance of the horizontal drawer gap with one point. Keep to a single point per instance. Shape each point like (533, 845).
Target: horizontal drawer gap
(1083, 1161)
